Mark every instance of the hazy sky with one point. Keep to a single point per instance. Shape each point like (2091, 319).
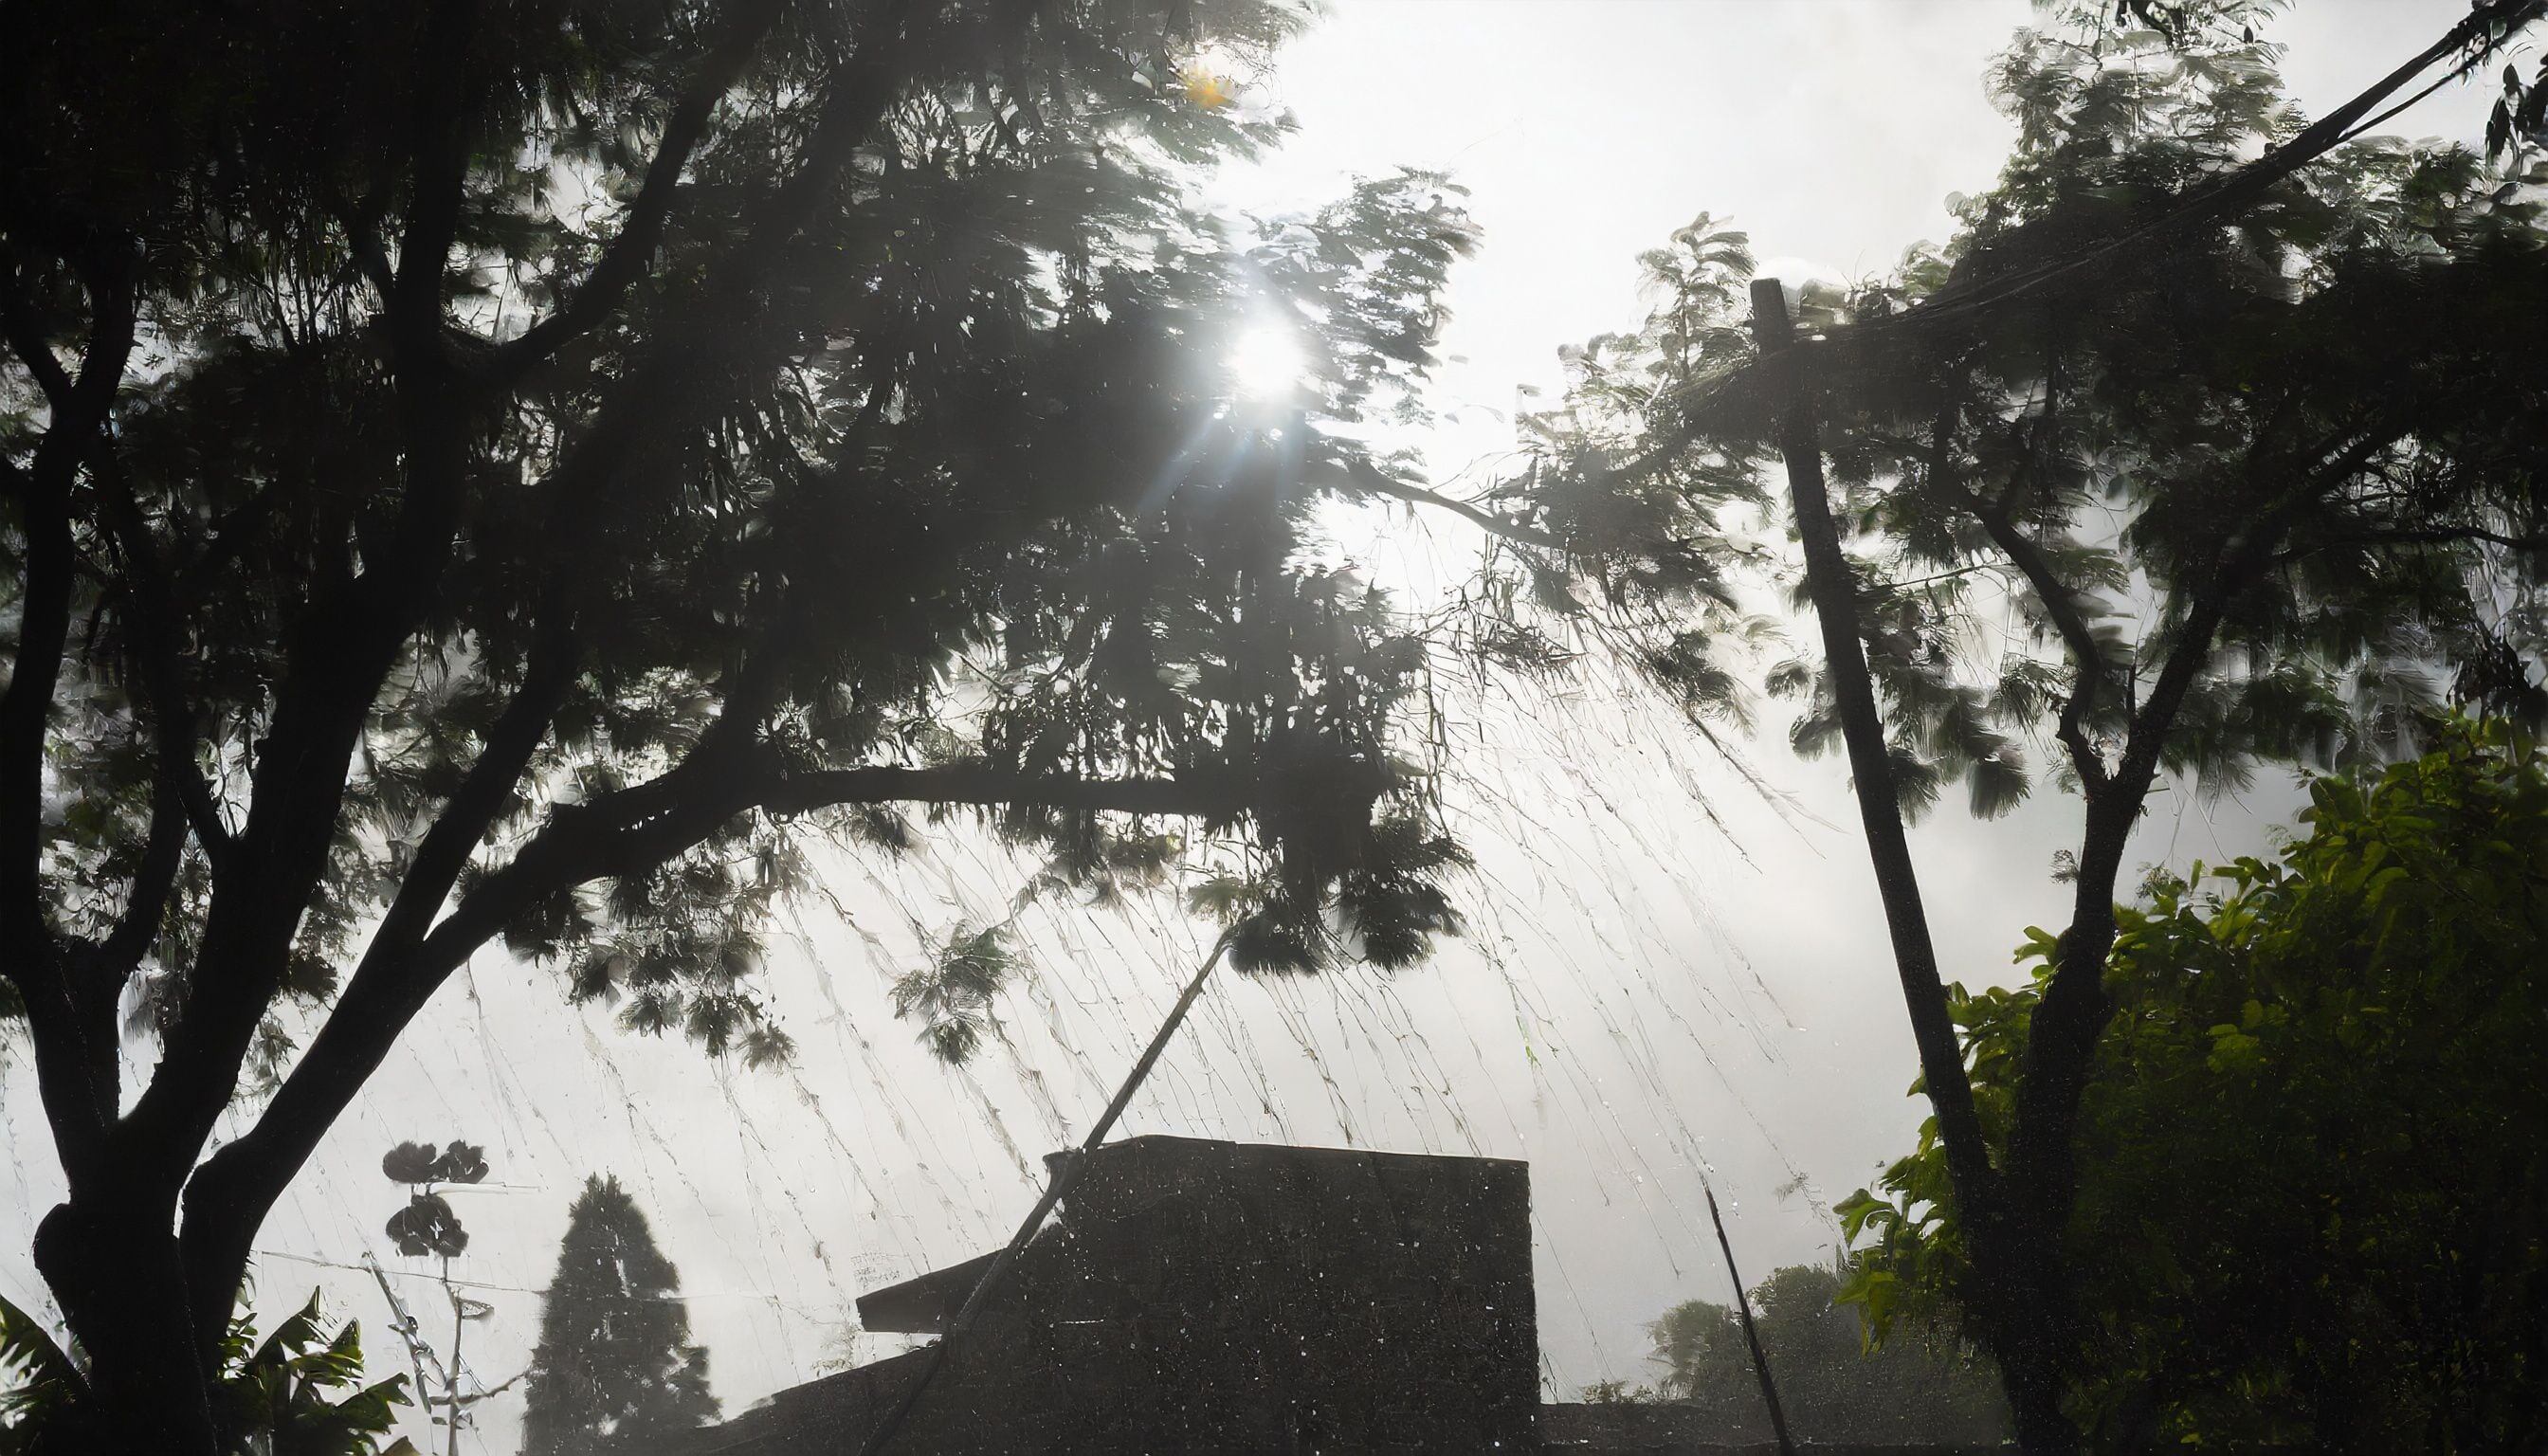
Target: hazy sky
(1645, 990)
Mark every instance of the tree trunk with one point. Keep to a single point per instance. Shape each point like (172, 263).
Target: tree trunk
(116, 1273)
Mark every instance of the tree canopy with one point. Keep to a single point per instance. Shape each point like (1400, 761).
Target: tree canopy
(2212, 438)
(519, 471)
(2313, 1200)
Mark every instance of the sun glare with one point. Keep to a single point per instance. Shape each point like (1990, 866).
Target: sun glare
(1266, 365)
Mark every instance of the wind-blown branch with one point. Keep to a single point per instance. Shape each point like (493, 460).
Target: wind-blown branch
(151, 618)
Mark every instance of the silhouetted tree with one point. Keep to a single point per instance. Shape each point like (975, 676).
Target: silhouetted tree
(2314, 1161)
(480, 472)
(2211, 439)
(614, 1358)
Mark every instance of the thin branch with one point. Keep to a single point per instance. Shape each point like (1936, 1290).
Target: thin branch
(2427, 536)
(1368, 477)
(439, 154)
(2088, 662)
(625, 833)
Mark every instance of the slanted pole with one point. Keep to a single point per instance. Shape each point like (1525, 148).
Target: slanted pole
(1750, 1335)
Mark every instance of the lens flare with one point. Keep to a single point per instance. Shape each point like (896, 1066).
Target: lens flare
(1267, 366)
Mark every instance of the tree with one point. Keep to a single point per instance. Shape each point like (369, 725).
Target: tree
(1922, 1386)
(2178, 459)
(2313, 1196)
(485, 473)
(615, 1359)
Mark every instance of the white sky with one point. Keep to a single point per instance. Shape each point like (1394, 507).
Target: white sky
(1643, 990)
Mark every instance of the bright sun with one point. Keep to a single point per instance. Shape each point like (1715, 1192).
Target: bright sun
(1266, 365)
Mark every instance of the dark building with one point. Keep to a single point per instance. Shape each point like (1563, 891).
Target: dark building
(1205, 1296)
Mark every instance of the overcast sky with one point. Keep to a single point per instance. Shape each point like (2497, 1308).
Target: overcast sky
(1645, 993)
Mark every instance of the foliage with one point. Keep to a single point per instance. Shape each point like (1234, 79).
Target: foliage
(952, 998)
(278, 1388)
(296, 1392)
(2314, 1197)
(614, 1360)
(2337, 390)
(427, 1227)
(1923, 1387)
(2212, 438)
(534, 472)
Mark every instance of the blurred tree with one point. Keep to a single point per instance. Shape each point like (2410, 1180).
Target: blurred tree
(477, 471)
(615, 1359)
(2185, 455)
(1921, 1385)
(2314, 1197)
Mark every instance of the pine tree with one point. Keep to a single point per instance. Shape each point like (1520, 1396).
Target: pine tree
(614, 1356)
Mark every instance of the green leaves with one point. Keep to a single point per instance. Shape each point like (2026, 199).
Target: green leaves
(282, 1390)
(419, 1163)
(2321, 1083)
(278, 1397)
(42, 1378)
(1923, 1387)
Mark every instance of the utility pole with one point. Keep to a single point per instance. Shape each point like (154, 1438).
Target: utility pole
(1750, 1336)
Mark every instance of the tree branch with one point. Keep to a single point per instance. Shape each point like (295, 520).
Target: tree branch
(2062, 1035)
(76, 1046)
(1366, 477)
(440, 153)
(626, 833)
(2063, 606)
(1750, 392)
(228, 1198)
(2425, 537)
(151, 614)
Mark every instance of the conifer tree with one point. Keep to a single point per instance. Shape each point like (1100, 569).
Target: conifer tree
(614, 1357)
